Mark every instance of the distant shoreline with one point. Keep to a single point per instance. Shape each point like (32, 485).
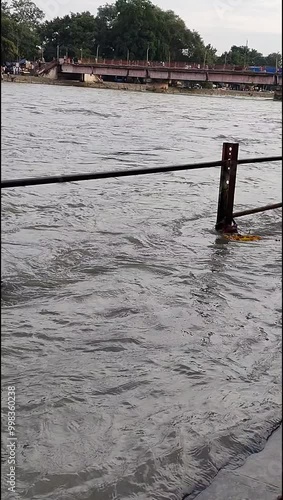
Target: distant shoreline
(139, 87)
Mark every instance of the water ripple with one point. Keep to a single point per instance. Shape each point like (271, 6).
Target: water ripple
(145, 350)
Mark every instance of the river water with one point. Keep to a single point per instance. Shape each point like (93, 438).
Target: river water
(145, 352)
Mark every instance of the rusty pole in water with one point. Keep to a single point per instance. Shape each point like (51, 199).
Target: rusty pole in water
(227, 187)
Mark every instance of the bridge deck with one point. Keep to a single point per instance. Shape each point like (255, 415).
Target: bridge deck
(178, 74)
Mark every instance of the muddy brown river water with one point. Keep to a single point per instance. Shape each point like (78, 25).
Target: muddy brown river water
(145, 353)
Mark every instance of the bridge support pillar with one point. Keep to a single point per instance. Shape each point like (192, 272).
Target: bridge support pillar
(159, 85)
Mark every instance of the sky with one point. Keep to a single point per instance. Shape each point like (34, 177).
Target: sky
(222, 23)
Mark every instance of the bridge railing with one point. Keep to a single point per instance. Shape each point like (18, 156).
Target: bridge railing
(140, 63)
(179, 64)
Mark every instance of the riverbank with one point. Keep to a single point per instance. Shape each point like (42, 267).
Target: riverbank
(259, 478)
(138, 87)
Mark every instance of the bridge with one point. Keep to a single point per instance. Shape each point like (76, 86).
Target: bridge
(167, 72)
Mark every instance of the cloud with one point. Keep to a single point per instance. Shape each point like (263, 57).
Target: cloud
(231, 22)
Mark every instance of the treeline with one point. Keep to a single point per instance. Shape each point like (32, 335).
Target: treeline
(127, 29)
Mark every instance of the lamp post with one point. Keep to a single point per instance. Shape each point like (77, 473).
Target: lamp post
(204, 59)
(41, 48)
(67, 28)
(246, 54)
(128, 56)
(147, 52)
(225, 60)
(18, 55)
(81, 51)
(97, 52)
(57, 46)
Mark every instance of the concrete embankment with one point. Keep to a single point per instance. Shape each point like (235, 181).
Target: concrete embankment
(138, 87)
(260, 478)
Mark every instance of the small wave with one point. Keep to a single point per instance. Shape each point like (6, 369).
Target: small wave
(86, 112)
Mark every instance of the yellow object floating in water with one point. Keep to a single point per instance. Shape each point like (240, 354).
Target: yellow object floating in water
(242, 237)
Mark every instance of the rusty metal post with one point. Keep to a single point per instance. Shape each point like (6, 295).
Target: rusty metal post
(224, 219)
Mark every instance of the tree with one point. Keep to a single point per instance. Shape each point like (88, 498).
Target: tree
(242, 56)
(274, 59)
(254, 58)
(72, 33)
(135, 29)
(26, 12)
(104, 23)
(8, 46)
(138, 29)
(19, 21)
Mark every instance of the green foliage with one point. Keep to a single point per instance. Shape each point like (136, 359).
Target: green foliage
(19, 21)
(244, 56)
(137, 29)
(134, 29)
(74, 33)
(274, 59)
(8, 46)
(26, 12)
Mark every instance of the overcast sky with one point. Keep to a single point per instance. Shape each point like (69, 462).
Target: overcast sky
(220, 22)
